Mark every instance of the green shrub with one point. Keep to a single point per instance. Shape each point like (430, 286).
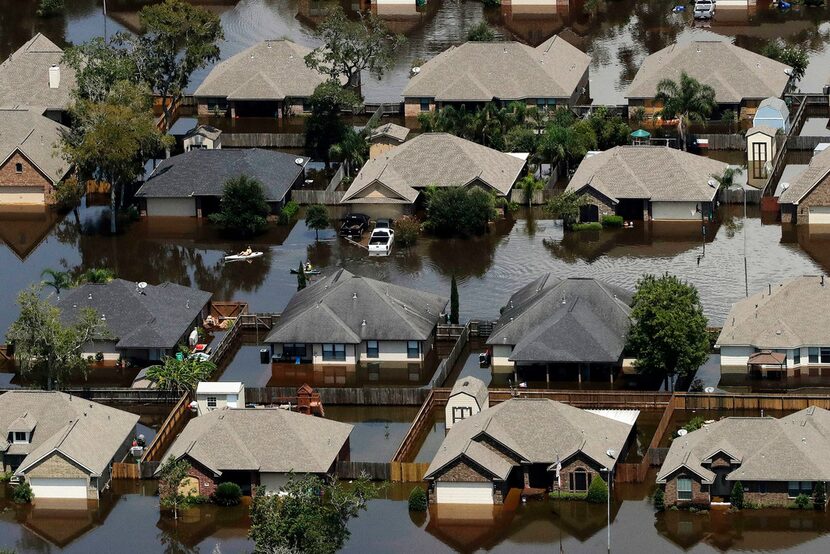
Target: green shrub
(737, 496)
(194, 499)
(407, 229)
(597, 491)
(659, 500)
(819, 496)
(227, 494)
(458, 211)
(802, 501)
(22, 493)
(567, 495)
(612, 221)
(288, 212)
(592, 226)
(418, 500)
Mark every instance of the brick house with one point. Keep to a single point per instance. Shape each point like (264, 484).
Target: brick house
(807, 199)
(253, 447)
(517, 443)
(775, 460)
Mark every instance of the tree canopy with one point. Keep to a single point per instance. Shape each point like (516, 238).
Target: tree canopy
(317, 218)
(181, 375)
(458, 211)
(481, 32)
(687, 100)
(565, 206)
(324, 127)
(352, 149)
(793, 56)
(243, 209)
(99, 65)
(171, 474)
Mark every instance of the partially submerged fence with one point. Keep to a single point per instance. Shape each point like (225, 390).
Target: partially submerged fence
(263, 140)
(396, 472)
(125, 470)
(372, 396)
(169, 430)
(326, 197)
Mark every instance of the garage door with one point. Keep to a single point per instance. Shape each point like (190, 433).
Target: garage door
(668, 211)
(820, 215)
(59, 488)
(464, 493)
(21, 195)
(177, 207)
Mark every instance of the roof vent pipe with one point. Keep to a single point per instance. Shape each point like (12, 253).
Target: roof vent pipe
(770, 288)
(354, 295)
(822, 280)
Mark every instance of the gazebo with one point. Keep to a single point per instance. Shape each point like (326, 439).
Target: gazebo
(765, 361)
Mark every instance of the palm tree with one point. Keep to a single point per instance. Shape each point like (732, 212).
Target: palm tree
(728, 178)
(58, 280)
(687, 101)
(530, 184)
(97, 275)
(352, 150)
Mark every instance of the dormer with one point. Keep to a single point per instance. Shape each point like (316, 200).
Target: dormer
(21, 429)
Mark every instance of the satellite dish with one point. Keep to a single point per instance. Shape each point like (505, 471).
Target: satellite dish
(415, 70)
(611, 453)
(299, 161)
(709, 389)
(142, 285)
(682, 432)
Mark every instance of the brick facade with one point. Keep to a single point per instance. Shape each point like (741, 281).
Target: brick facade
(700, 492)
(818, 197)
(569, 468)
(29, 176)
(603, 204)
(207, 483)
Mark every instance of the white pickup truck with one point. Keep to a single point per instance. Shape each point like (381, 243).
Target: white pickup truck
(380, 241)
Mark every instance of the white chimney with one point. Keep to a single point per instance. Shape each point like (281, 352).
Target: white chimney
(54, 76)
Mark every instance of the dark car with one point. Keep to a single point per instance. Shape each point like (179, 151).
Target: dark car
(354, 225)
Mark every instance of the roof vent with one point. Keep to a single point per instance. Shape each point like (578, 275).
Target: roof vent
(354, 295)
(89, 297)
(363, 323)
(103, 317)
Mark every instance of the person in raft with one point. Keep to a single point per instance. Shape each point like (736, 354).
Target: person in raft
(247, 251)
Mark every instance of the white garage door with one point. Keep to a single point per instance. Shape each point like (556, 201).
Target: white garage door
(464, 493)
(177, 207)
(820, 215)
(666, 211)
(59, 488)
(21, 195)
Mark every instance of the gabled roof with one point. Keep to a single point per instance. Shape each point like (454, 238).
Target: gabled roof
(24, 424)
(483, 71)
(268, 70)
(83, 431)
(391, 130)
(816, 172)
(536, 430)
(204, 172)
(346, 308)
(776, 104)
(473, 387)
(24, 76)
(796, 314)
(207, 131)
(261, 439)
(656, 173)
(733, 72)
(154, 317)
(36, 137)
(792, 448)
(565, 320)
(438, 159)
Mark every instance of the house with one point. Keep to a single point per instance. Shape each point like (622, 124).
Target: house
(143, 322)
(807, 199)
(343, 321)
(391, 184)
(787, 324)
(518, 443)
(258, 446)
(36, 75)
(468, 396)
(203, 137)
(573, 328)
(269, 79)
(30, 167)
(473, 74)
(775, 460)
(385, 137)
(191, 184)
(774, 113)
(219, 395)
(652, 183)
(741, 79)
(63, 446)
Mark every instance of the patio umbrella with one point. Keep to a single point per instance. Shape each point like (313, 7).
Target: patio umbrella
(641, 134)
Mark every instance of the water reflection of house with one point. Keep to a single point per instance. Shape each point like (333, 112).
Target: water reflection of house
(23, 228)
(535, 21)
(62, 522)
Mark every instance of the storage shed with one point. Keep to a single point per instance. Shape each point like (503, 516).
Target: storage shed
(774, 113)
(468, 397)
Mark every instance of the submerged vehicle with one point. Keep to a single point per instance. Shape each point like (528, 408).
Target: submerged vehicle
(704, 9)
(380, 242)
(354, 225)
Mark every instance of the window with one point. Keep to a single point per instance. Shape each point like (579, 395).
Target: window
(797, 356)
(21, 436)
(412, 349)
(540, 102)
(460, 412)
(825, 355)
(794, 488)
(424, 104)
(306, 104)
(372, 349)
(684, 488)
(813, 355)
(211, 401)
(334, 352)
(18, 167)
(580, 480)
(294, 350)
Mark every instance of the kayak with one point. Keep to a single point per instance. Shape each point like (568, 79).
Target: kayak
(307, 271)
(239, 257)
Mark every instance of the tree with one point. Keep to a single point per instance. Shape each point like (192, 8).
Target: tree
(69, 193)
(407, 229)
(729, 117)
(597, 491)
(819, 495)
(311, 514)
(171, 474)
(687, 100)
(58, 280)
(324, 127)
(659, 499)
(668, 335)
(99, 65)
(97, 275)
(178, 38)
(565, 206)
(317, 218)
(352, 149)
(301, 279)
(350, 47)
(795, 57)
(181, 375)
(418, 500)
(727, 179)
(23, 493)
(47, 350)
(529, 185)
(737, 496)
(453, 301)
(50, 8)
(458, 211)
(243, 209)
(481, 32)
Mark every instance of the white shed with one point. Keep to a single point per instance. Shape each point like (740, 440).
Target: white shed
(760, 144)
(468, 397)
(203, 137)
(218, 395)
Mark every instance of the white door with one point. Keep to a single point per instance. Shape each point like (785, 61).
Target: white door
(464, 493)
(176, 207)
(232, 400)
(58, 488)
(819, 215)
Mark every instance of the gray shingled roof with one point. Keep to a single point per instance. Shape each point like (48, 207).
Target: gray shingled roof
(346, 308)
(536, 430)
(268, 70)
(816, 172)
(261, 439)
(733, 72)
(565, 320)
(796, 314)
(36, 137)
(156, 318)
(657, 173)
(472, 386)
(204, 172)
(438, 159)
(24, 76)
(207, 131)
(391, 130)
(84, 431)
(482, 71)
(793, 448)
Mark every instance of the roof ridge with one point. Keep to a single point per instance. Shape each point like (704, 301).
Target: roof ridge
(396, 304)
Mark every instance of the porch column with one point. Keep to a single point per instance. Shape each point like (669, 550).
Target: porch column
(526, 471)
(547, 375)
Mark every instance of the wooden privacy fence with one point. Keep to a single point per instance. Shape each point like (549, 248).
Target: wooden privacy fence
(782, 402)
(377, 396)
(406, 450)
(805, 143)
(228, 310)
(590, 399)
(123, 470)
(630, 472)
(396, 472)
(446, 365)
(407, 472)
(169, 430)
(263, 140)
(326, 197)
(124, 395)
